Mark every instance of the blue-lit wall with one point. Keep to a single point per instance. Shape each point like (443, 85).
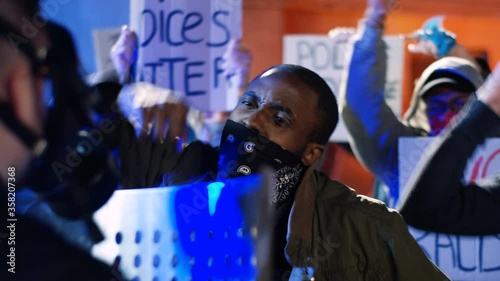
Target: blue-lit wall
(82, 16)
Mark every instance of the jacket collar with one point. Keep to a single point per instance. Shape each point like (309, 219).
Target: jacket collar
(300, 222)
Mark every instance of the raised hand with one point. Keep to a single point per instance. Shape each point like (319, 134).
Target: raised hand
(376, 11)
(381, 6)
(124, 54)
(432, 39)
(153, 111)
(341, 34)
(237, 61)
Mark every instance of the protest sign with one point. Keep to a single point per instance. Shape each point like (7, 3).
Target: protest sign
(461, 257)
(198, 231)
(180, 47)
(320, 54)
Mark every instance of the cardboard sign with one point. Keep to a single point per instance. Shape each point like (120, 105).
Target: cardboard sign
(181, 44)
(320, 54)
(460, 257)
(104, 39)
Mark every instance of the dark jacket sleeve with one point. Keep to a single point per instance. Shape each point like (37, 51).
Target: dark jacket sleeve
(197, 163)
(435, 198)
(148, 163)
(410, 262)
(143, 161)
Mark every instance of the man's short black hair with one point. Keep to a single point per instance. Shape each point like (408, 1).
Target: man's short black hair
(26, 8)
(327, 108)
(30, 7)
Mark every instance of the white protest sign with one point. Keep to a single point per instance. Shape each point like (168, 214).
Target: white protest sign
(181, 43)
(190, 232)
(461, 257)
(104, 39)
(320, 54)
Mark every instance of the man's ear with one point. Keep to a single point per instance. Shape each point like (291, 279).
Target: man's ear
(312, 153)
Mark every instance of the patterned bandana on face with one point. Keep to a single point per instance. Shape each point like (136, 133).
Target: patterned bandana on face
(244, 152)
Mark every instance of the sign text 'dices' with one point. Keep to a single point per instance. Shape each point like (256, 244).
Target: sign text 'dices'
(181, 47)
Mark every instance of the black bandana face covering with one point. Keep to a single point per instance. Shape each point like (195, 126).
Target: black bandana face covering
(244, 152)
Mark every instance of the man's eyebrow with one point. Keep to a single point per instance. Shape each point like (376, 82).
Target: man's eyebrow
(251, 94)
(279, 107)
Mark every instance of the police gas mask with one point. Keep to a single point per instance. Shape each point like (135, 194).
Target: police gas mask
(71, 168)
(244, 152)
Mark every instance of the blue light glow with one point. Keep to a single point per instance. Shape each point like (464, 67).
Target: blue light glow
(214, 190)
